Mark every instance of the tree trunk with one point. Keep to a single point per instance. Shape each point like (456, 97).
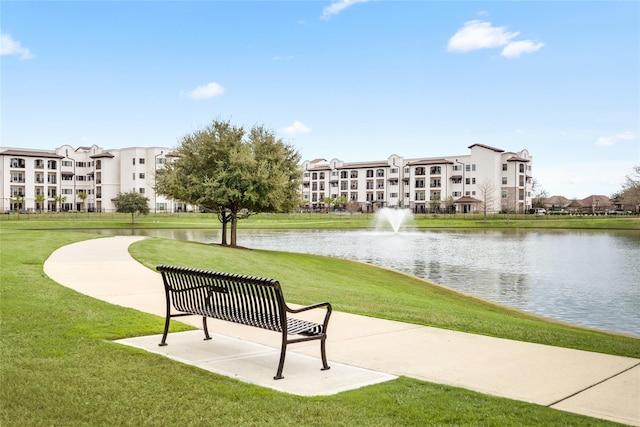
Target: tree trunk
(222, 217)
(234, 228)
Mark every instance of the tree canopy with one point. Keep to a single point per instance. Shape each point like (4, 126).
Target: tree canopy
(131, 202)
(233, 172)
(630, 193)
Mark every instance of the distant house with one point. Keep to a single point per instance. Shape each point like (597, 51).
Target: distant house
(592, 204)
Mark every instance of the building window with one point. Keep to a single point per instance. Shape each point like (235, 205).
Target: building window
(141, 176)
(343, 174)
(39, 164)
(420, 171)
(504, 180)
(504, 166)
(354, 174)
(369, 173)
(17, 163)
(52, 164)
(133, 176)
(314, 175)
(141, 190)
(141, 161)
(134, 161)
(380, 173)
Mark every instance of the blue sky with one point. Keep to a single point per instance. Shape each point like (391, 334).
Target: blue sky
(354, 80)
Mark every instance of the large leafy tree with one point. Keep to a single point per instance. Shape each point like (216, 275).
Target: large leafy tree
(131, 202)
(232, 172)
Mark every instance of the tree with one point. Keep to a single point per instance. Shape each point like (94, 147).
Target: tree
(630, 194)
(59, 201)
(131, 202)
(82, 195)
(39, 199)
(434, 204)
(341, 202)
(353, 206)
(450, 204)
(539, 194)
(225, 169)
(16, 202)
(487, 192)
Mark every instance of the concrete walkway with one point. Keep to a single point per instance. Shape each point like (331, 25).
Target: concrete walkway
(361, 350)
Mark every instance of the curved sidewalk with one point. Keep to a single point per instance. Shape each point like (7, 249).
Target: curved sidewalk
(361, 350)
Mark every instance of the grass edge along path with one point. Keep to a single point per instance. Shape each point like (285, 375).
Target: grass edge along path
(368, 290)
(58, 367)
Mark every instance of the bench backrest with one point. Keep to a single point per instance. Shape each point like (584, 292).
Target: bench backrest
(255, 301)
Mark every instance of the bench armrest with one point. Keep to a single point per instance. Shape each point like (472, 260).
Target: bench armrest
(327, 305)
(309, 307)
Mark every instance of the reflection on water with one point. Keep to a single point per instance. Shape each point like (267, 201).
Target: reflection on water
(582, 277)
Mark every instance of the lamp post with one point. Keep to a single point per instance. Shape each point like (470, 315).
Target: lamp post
(155, 171)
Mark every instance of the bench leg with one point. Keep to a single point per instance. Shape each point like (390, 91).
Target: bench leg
(166, 331)
(323, 352)
(206, 330)
(283, 353)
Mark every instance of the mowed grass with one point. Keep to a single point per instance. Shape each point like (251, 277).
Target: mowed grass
(58, 366)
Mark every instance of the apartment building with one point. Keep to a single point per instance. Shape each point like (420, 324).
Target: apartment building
(88, 178)
(79, 179)
(485, 177)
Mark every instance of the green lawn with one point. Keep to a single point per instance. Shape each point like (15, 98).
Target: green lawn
(58, 366)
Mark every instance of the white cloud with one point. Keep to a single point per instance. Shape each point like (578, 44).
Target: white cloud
(475, 35)
(337, 7)
(207, 91)
(607, 141)
(515, 49)
(9, 46)
(479, 35)
(296, 128)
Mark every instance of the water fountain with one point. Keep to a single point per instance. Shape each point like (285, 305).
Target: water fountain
(393, 217)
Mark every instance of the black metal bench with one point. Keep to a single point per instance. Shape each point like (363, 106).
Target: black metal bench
(252, 301)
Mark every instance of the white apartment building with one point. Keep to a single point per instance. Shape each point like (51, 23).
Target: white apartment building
(88, 178)
(79, 179)
(487, 176)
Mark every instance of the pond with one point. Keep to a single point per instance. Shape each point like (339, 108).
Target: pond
(589, 278)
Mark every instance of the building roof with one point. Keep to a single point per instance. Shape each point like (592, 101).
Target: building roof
(497, 150)
(517, 159)
(429, 161)
(103, 154)
(468, 199)
(596, 200)
(372, 164)
(31, 153)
